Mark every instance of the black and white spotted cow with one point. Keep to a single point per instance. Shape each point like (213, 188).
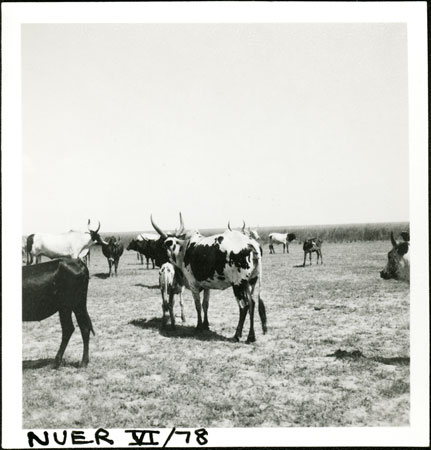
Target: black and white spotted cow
(230, 259)
(280, 238)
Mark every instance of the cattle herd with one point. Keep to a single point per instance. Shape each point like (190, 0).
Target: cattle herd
(186, 259)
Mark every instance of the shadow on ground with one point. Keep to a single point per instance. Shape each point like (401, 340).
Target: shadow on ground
(147, 286)
(102, 276)
(357, 354)
(180, 331)
(45, 362)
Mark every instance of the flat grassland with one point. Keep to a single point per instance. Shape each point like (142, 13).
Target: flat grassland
(140, 376)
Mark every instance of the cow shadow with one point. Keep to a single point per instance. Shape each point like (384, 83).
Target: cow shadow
(147, 286)
(357, 355)
(102, 275)
(30, 364)
(299, 266)
(180, 331)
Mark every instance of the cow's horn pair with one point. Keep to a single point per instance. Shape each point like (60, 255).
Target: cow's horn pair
(98, 228)
(243, 226)
(162, 233)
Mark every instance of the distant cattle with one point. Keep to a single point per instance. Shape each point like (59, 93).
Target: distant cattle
(112, 250)
(313, 245)
(171, 283)
(225, 260)
(73, 244)
(58, 285)
(281, 238)
(398, 266)
(144, 247)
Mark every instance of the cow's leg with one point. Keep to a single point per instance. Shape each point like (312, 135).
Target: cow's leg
(284, 248)
(165, 308)
(197, 299)
(321, 257)
(84, 324)
(116, 266)
(110, 266)
(287, 247)
(310, 257)
(241, 297)
(38, 259)
(154, 263)
(205, 304)
(251, 337)
(67, 330)
(305, 257)
(171, 308)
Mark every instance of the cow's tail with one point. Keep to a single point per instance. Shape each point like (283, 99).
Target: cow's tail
(29, 248)
(91, 324)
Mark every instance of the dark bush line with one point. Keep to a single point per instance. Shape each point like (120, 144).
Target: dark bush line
(328, 233)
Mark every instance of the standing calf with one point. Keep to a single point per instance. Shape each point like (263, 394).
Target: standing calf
(171, 283)
(58, 285)
(281, 238)
(313, 245)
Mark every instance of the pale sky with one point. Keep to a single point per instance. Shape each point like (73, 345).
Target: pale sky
(279, 124)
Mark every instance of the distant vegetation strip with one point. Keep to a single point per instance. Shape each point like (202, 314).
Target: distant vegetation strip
(328, 233)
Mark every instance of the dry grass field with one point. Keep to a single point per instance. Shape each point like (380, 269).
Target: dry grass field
(141, 376)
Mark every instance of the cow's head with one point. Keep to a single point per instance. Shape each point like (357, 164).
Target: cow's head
(173, 247)
(132, 245)
(398, 266)
(161, 250)
(95, 236)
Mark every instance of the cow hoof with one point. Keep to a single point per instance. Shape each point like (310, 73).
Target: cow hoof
(235, 338)
(83, 364)
(250, 340)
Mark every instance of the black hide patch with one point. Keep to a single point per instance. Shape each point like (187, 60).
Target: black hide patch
(240, 260)
(205, 260)
(403, 248)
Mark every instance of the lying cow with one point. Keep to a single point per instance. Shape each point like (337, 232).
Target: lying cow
(225, 260)
(398, 266)
(313, 245)
(112, 250)
(281, 238)
(58, 285)
(171, 283)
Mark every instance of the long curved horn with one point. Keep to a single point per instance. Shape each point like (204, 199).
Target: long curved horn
(88, 226)
(181, 230)
(243, 226)
(394, 242)
(228, 225)
(162, 233)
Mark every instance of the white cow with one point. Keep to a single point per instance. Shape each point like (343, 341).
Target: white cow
(73, 244)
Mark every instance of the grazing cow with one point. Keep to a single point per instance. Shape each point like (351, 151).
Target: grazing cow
(73, 244)
(398, 266)
(113, 250)
(144, 247)
(281, 238)
(230, 259)
(59, 285)
(313, 245)
(171, 283)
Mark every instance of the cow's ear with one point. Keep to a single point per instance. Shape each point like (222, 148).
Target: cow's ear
(403, 248)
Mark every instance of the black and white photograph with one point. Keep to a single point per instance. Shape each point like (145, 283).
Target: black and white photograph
(223, 218)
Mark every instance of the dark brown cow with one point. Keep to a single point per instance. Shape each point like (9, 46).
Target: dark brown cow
(113, 251)
(58, 285)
